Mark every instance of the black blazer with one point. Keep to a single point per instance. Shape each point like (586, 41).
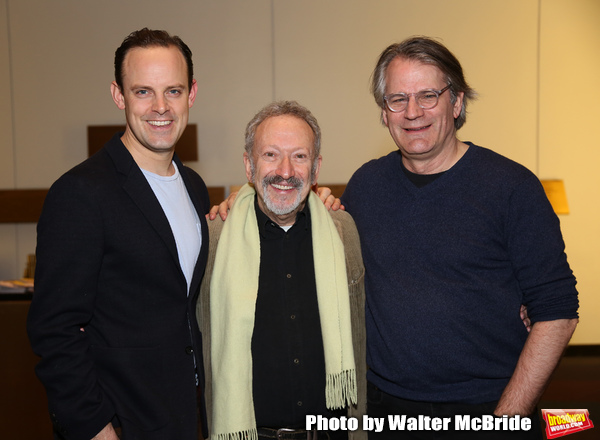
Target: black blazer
(110, 316)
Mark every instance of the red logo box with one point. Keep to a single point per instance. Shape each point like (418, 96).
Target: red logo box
(561, 422)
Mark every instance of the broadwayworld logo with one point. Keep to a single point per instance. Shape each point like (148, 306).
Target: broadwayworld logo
(561, 422)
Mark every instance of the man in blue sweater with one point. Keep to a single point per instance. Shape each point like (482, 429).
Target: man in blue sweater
(463, 237)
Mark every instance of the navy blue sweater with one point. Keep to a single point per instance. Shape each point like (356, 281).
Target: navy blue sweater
(448, 266)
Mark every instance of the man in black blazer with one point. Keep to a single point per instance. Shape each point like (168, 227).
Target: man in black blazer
(122, 247)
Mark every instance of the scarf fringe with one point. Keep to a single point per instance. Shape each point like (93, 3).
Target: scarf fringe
(249, 434)
(340, 389)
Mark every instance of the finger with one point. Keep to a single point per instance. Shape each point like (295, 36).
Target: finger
(212, 214)
(324, 193)
(223, 210)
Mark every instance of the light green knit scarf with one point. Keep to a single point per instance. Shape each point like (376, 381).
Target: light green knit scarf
(233, 293)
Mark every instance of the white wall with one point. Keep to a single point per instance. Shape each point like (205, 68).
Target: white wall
(56, 66)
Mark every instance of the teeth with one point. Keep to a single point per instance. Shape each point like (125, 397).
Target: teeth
(159, 123)
(282, 187)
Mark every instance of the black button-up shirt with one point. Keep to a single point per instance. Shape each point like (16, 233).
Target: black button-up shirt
(287, 346)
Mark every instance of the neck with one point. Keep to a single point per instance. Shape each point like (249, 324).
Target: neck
(160, 162)
(439, 163)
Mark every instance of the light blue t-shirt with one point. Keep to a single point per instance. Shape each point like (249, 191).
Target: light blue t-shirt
(183, 218)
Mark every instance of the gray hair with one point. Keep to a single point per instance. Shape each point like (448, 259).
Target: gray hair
(427, 51)
(281, 108)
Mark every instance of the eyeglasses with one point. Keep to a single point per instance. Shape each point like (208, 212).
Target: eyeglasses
(426, 99)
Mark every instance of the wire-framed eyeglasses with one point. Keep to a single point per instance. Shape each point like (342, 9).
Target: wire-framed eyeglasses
(426, 99)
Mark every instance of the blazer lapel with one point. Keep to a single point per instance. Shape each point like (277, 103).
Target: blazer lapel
(202, 206)
(135, 184)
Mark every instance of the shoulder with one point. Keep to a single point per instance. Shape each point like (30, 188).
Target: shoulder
(495, 165)
(346, 228)
(111, 161)
(372, 179)
(378, 166)
(486, 172)
(193, 175)
(343, 221)
(215, 226)
(92, 175)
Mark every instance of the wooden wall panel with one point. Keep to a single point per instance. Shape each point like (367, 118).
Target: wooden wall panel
(25, 205)
(21, 205)
(186, 148)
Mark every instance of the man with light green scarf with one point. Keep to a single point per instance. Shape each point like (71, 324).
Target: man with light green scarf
(281, 306)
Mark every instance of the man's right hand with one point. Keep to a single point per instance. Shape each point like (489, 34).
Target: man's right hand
(107, 433)
(525, 317)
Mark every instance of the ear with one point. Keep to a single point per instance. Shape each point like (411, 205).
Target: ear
(117, 95)
(384, 117)
(317, 169)
(458, 104)
(248, 167)
(193, 92)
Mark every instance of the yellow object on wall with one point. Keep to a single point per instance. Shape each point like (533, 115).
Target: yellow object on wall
(555, 191)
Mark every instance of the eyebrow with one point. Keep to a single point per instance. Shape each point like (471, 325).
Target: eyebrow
(174, 86)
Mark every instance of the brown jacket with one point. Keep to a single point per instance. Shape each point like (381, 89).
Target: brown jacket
(356, 287)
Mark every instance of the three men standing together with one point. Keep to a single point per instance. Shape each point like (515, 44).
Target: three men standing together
(455, 238)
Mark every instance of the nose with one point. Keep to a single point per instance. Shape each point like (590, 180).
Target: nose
(285, 168)
(160, 105)
(413, 110)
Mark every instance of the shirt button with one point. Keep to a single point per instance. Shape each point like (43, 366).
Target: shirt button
(189, 350)
(293, 317)
(289, 275)
(296, 361)
(299, 403)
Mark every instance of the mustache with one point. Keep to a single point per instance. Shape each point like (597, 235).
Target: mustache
(292, 181)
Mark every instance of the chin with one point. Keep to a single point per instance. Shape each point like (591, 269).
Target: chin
(284, 210)
(281, 208)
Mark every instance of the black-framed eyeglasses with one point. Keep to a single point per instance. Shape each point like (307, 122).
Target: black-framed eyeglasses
(426, 99)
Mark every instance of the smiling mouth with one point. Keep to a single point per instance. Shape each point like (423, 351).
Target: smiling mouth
(159, 123)
(283, 187)
(417, 128)
(281, 184)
